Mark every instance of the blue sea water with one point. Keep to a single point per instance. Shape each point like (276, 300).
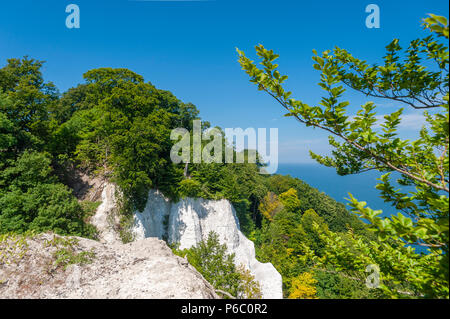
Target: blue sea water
(325, 179)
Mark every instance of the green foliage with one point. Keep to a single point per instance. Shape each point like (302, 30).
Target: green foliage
(335, 214)
(407, 79)
(67, 253)
(244, 214)
(26, 99)
(7, 135)
(65, 257)
(404, 273)
(32, 199)
(335, 285)
(210, 258)
(190, 188)
(303, 287)
(312, 224)
(290, 201)
(119, 126)
(270, 206)
(114, 124)
(249, 288)
(13, 247)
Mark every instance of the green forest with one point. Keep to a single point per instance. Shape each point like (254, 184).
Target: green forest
(118, 126)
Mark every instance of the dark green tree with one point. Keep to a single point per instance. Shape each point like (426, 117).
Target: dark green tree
(211, 259)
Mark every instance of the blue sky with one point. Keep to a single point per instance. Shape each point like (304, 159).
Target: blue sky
(188, 47)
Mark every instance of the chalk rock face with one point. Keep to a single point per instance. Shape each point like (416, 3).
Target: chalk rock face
(190, 221)
(106, 216)
(153, 221)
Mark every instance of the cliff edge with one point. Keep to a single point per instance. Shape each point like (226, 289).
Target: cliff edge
(186, 223)
(50, 266)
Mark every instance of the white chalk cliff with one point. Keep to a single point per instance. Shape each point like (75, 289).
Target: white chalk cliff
(190, 221)
(186, 223)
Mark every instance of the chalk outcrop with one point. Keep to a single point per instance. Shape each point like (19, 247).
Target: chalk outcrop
(106, 217)
(186, 223)
(141, 269)
(190, 221)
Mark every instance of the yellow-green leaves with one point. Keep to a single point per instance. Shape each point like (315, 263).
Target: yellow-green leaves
(437, 24)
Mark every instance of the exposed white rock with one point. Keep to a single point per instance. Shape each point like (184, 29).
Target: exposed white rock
(106, 216)
(190, 221)
(152, 222)
(143, 269)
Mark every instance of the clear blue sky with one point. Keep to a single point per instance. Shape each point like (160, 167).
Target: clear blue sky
(188, 47)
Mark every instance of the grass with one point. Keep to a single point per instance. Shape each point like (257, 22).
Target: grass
(13, 247)
(66, 253)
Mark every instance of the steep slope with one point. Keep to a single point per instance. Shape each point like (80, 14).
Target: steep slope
(186, 223)
(190, 221)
